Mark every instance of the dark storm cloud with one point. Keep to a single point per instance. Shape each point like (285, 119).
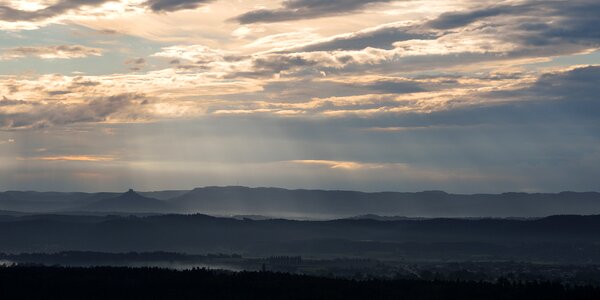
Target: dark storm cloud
(554, 100)
(462, 18)
(541, 28)
(535, 29)
(58, 93)
(394, 87)
(304, 9)
(174, 5)
(382, 37)
(268, 65)
(14, 15)
(534, 22)
(559, 98)
(56, 113)
(572, 94)
(577, 23)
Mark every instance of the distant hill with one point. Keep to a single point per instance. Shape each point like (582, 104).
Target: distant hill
(383, 218)
(128, 202)
(252, 217)
(309, 204)
(163, 195)
(337, 204)
(29, 201)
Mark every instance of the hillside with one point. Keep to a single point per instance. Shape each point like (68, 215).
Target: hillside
(128, 202)
(308, 204)
(556, 238)
(331, 204)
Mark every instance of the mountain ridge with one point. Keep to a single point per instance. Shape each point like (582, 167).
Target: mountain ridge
(333, 203)
(129, 201)
(314, 203)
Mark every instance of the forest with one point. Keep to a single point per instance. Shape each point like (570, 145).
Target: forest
(38, 282)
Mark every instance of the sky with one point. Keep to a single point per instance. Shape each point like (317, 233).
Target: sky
(374, 95)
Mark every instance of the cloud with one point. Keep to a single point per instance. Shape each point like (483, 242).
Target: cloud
(461, 18)
(304, 9)
(8, 141)
(520, 36)
(10, 14)
(50, 52)
(554, 99)
(383, 37)
(532, 23)
(136, 64)
(275, 42)
(11, 102)
(174, 5)
(79, 83)
(531, 32)
(364, 73)
(379, 101)
(295, 91)
(334, 164)
(82, 158)
(194, 53)
(518, 33)
(41, 115)
(387, 169)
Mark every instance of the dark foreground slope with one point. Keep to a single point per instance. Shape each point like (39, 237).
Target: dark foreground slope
(556, 238)
(153, 283)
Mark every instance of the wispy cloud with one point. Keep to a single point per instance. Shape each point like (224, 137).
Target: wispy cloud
(7, 141)
(81, 158)
(12, 14)
(304, 9)
(174, 5)
(334, 164)
(401, 170)
(50, 52)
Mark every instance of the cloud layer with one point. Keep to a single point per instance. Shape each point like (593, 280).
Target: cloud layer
(373, 94)
(50, 52)
(304, 9)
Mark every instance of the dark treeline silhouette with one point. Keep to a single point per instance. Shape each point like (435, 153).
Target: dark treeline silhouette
(91, 258)
(155, 283)
(354, 268)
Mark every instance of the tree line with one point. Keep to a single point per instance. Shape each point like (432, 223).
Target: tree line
(38, 282)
